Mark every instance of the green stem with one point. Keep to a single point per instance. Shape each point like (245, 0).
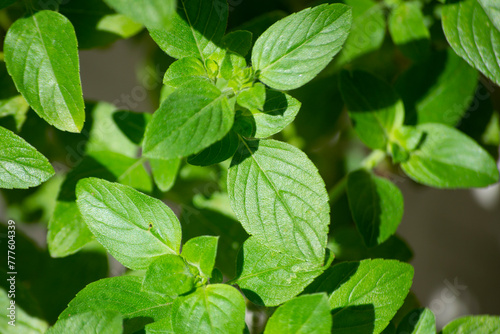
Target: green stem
(372, 160)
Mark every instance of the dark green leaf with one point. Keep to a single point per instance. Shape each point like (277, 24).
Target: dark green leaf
(156, 14)
(239, 41)
(217, 152)
(132, 124)
(105, 322)
(420, 321)
(169, 275)
(201, 252)
(473, 325)
(164, 172)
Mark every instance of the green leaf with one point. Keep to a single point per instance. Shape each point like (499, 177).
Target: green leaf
(164, 172)
(364, 296)
(437, 90)
(42, 58)
(304, 314)
(132, 124)
(473, 325)
(25, 322)
(376, 205)
(270, 277)
(419, 321)
(133, 227)
(216, 308)
(492, 9)
(169, 275)
(164, 326)
(156, 14)
(11, 103)
(105, 322)
(288, 214)
(253, 98)
(189, 120)
(217, 152)
(195, 30)
(183, 70)
(21, 165)
(374, 107)
(449, 159)
(472, 36)
(201, 252)
(408, 30)
(239, 41)
(121, 294)
(282, 54)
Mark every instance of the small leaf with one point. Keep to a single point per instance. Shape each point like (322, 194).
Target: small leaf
(473, 324)
(42, 57)
(217, 152)
(253, 98)
(374, 107)
(492, 9)
(449, 159)
(183, 70)
(164, 172)
(105, 322)
(216, 308)
(376, 205)
(200, 252)
(156, 14)
(472, 36)
(189, 120)
(169, 275)
(420, 321)
(239, 41)
(304, 314)
(21, 165)
(295, 49)
(133, 227)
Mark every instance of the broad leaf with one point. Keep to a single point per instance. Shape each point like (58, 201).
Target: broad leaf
(21, 165)
(133, 227)
(156, 14)
(420, 321)
(449, 159)
(169, 275)
(105, 322)
(295, 49)
(492, 9)
(472, 36)
(239, 41)
(253, 98)
(473, 325)
(195, 30)
(189, 120)
(304, 314)
(288, 214)
(42, 58)
(217, 152)
(164, 172)
(201, 252)
(183, 70)
(216, 308)
(374, 107)
(376, 206)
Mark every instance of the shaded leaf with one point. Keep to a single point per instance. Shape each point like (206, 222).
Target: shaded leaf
(152, 13)
(473, 325)
(105, 322)
(201, 252)
(420, 321)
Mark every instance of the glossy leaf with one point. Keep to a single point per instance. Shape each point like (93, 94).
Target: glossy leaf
(164, 172)
(42, 58)
(419, 321)
(304, 314)
(133, 227)
(217, 152)
(152, 13)
(473, 37)
(239, 41)
(295, 49)
(492, 9)
(105, 322)
(201, 252)
(449, 159)
(21, 165)
(473, 325)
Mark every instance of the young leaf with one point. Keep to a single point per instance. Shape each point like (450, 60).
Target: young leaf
(449, 159)
(420, 321)
(164, 172)
(473, 324)
(239, 41)
(189, 120)
(169, 275)
(472, 36)
(288, 214)
(133, 227)
(374, 107)
(253, 98)
(201, 252)
(105, 322)
(182, 70)
(408, 31)
(376, 205)
(195, 30)
(306, 314)
(42, 57)
(295, 49)
(21, 165)
(217, 152)
(492, 9)
(155, 14)
(216, 308)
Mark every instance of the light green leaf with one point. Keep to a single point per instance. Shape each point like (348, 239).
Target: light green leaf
(295, 49)
(120, 25)
(217, 152)
(304, 314)
(189, 120)
(21, 165)
(195, 30)
(239, 41)
(437, 90)
(169, 275)
(473, 325)
(11, 103)
(42, 58)
(133, 227)
(183, 70)
(164, 326)
(164, 172)
(492, 9)
(288, 214)
(121, 294)
(449, 159)
(376, 206)
(253, 98)
(201, 252)
(408, 30)
(374, 107)
(216, 308)
(419, 321)
(472, 36)
(24, 322)
(156, 14)
(105, 322)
